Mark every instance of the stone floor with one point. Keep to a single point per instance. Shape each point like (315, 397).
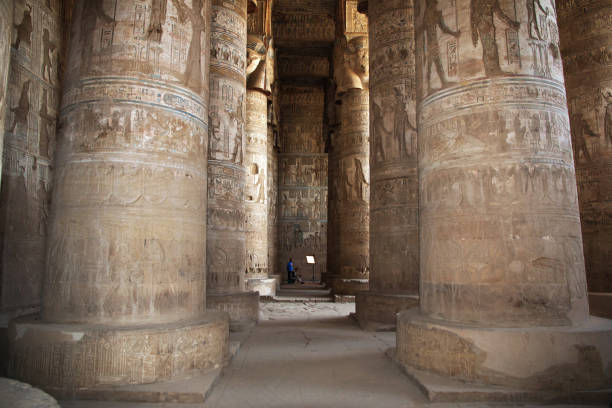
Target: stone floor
(308, 355)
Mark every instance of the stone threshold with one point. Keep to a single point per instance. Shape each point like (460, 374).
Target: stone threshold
(372, 326)
(193, 390)
(442, 389)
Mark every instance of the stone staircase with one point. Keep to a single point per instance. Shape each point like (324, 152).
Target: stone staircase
(306, 292)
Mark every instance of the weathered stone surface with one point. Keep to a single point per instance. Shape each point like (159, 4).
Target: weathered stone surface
(128, 232)
(500, 230)
(226, 254)
(256, 192)
(303, 181)
(297, 24)
(552, 358)
(394, 246)
(351, 215)
(265, 286)
(374, 309)
(240, 306)
(60, 357)
(32, 100)
(6, 31)
(15, 394)
(586, 48)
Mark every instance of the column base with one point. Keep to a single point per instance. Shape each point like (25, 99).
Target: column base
(558, 359)
(600, 304)
(242, 307)
(378, 311)
(61, 358)
(278, 279)
(265, 286)
(346, 286)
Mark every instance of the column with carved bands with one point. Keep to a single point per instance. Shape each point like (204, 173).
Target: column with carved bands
(394, 240)
(586, 49)
(125, 282)
(502, 270)
(226, 234)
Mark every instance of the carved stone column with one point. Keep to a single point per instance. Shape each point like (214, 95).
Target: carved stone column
(502, 271)
(6, 31)
(29, 123)
(124, 293)
(394, 239)
(226, 234)
(586, 38)
(352, 170)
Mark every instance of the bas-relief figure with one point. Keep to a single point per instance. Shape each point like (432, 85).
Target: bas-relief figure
(586, 50)
(31, 99)
(514, 156)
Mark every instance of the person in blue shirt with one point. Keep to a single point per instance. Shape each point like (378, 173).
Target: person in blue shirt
(290, 275)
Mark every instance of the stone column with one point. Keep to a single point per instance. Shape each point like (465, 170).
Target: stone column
(30, 120)
(585, 38)
(394, 239)
(352, 170)
(502, 271)
(225, 251)
(124, 294)
(6, 31)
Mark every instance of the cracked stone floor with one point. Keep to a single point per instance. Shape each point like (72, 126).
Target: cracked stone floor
(310, 355)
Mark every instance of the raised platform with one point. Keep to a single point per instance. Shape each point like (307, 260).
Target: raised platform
(242, 307)
(64, 358)
(265, 286)
(443, 389)
(556, 360)
(378, 311)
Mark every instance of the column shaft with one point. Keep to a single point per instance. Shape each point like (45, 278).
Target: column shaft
(256, 191)
(29, 122)
(585, 37)
(500, 229)
(394, 239)
(226, 164)
(6, 31)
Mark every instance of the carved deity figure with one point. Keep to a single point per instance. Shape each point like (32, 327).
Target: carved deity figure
(579, 127)
(22, 109)
(24, 29)
(432, 19)
(608, 117)
(483, 28)
(380, 133)
(48, 48)
(158, 17)
(359, 181)
(46, 123)
(256, 63)
(532, 18)
(92, 11)
(352, 67)
(401, 124)
(192, 77)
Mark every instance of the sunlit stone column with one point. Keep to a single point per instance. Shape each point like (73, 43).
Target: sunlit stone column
(394, 239)
(124, 293)
(502, 271)
(352, 171)
(226, 165)
(6, 31)
(586, 48)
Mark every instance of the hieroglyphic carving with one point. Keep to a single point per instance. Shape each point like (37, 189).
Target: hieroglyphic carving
(256, 161)
(303, 180)
(587, 53)
(29, 108)
(295, 22)
(393, 159)
(133, 142)
(226, 262)
(496, 180)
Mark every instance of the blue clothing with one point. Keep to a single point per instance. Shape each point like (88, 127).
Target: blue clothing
(290, 267)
